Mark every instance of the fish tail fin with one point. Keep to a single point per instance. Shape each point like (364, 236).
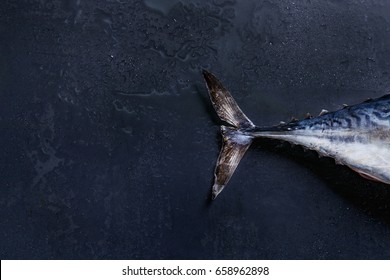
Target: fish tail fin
(234, 146)
(234, 142)
(224, 104)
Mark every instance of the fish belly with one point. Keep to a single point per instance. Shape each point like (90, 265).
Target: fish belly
(363, 152)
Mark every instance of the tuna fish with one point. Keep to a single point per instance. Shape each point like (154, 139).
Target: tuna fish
(357, 136)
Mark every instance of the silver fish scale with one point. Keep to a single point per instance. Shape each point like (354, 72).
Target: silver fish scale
(357, 136)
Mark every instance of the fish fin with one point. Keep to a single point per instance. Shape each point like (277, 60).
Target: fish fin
(234, 146)
(323, 112)
(367, 176)
(224, 104)
(234, 141)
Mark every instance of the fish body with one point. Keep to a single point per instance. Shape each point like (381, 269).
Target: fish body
(357, 136)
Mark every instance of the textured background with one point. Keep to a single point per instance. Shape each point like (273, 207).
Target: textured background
(108, 140)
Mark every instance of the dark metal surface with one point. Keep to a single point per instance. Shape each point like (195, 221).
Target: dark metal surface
(108, 139)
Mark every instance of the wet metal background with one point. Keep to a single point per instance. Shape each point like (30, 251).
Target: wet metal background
(108, 140)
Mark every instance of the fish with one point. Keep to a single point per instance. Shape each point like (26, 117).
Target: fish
(356, 136)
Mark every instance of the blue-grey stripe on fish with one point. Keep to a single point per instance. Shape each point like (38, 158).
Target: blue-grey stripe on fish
(357, 136)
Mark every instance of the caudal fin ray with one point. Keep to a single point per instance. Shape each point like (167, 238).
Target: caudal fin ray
(234, 140)
(224, 104)
(233, 149)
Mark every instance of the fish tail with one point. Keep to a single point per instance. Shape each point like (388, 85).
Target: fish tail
(234, 141)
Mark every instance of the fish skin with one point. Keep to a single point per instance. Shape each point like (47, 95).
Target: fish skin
(357, 136)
